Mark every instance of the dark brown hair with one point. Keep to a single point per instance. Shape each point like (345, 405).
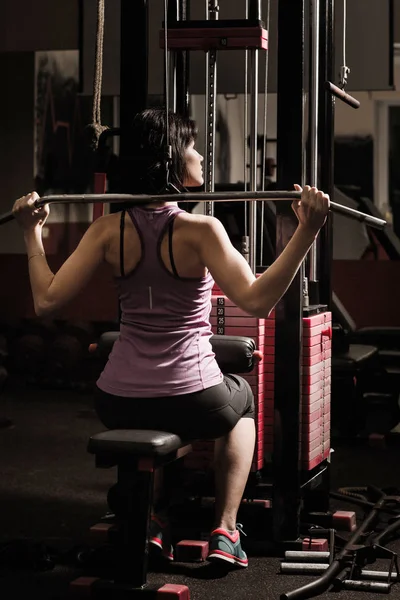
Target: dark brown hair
(149, 144)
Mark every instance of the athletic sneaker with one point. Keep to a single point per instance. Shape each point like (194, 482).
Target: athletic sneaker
(160, 536)
(225, 546)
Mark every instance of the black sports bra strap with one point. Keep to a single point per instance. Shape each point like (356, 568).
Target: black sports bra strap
(171, 256)
(121, 244)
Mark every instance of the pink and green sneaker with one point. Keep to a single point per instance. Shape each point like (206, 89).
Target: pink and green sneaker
(160, 536)
(226, 546)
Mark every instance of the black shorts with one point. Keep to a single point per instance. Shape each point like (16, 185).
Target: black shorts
(208, 414)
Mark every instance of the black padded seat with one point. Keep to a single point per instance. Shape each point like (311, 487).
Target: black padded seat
(137, 453)
(355, 358)
(383, 337)
(135, 443)
(393, 371)
(390, 360)
(390, 355)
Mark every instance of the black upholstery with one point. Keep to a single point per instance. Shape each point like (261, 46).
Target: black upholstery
(365, 368)
(135, 443)
(137, 453)
(234, 354)
(356, 357)
(383, 337)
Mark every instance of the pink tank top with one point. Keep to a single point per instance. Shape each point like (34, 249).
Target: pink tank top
(164, 344)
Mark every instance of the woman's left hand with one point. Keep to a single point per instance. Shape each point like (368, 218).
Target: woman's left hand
(27, 215)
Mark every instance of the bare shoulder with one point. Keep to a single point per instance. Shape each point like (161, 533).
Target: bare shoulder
(194, 218)
(107, 223)
(199, 225)
(103, 229)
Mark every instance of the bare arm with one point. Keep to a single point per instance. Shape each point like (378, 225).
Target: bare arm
(52, 291)
(233, 274)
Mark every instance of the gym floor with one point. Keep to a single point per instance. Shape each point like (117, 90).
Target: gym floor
(50, 492)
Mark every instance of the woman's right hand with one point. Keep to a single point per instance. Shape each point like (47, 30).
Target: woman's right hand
(312, 209)
(27, 215)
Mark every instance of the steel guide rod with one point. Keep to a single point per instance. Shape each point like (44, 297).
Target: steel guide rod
(246, 239)
(314, 111)
(174, 82)
(211, 101)
(326, 148)
(173, 15)
(178, 11)
(183, 105)
(142, 200)
(253, 158)
(254, 12)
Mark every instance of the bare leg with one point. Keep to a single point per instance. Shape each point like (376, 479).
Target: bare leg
(233, 457)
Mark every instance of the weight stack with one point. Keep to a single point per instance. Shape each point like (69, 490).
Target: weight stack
(227, 319)
(315, 404)
(315, 415)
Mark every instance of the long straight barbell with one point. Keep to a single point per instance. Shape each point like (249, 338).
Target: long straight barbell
(142, 199)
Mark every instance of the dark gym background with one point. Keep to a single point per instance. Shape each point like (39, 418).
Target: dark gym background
(50, 489)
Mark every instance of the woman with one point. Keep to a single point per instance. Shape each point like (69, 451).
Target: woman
(161, 373)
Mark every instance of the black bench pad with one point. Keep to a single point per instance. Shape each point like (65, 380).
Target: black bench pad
(135, 442)
(233, 353)
(356, 357)
(383, 337)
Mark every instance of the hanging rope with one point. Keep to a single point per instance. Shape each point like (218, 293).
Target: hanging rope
(344, 70)
(95, 129)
